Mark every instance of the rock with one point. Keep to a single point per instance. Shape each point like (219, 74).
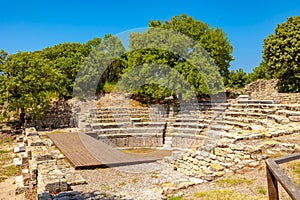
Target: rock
(294, 118)
(219, 174)
(217, 167)
(17, 162)
(196, 180)
(254, 164)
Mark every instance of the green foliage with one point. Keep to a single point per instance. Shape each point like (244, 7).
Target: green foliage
(67, 58)
(237, 79)
(163, 63)
(28, 83)
(103, 66)
(213, 40)
(261, 190)
(108, 87)
(260, 72)
(282, 54)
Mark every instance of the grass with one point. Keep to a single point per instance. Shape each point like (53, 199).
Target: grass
(176, 198)
(5, 158)
(154, 175)
(261, 190)
(295, 168)
(6, 140)
(122, 184)
(232, 181)
(135, 180)
(8, 171)
(223, 195)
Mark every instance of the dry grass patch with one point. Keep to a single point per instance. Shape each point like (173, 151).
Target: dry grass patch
(223, 195)
(232, 181)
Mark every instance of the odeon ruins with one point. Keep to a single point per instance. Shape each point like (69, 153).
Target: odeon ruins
(208, 139)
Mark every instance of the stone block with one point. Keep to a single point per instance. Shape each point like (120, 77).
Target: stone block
(24, 157)
(31, 131)
(17, 162)
(294, 118)
(45, 195)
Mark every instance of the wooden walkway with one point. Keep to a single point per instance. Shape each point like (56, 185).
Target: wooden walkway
(84, 151)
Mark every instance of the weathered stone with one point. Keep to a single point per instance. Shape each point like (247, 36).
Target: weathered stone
(294, 118)
(17, 162)
(217, 167)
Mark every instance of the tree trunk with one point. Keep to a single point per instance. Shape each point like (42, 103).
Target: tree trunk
(22, 117)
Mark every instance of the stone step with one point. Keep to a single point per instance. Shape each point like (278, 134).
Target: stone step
(190, 125)
(180, 130)
(252, 110)
(257, 102)
(149, 124)
(279, 119)
(189, 120)
(245, 114)
(110, 125)
(120, 115)
(128, 130)
(233, 123)
(288, 113)
(221, 126)
(246, 120)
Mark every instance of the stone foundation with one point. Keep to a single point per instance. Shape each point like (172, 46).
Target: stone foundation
(43, 166)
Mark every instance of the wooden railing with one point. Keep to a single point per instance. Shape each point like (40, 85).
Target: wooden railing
(275, 174)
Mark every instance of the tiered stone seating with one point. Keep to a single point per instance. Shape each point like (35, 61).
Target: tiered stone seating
(127, 127)
(191, 123)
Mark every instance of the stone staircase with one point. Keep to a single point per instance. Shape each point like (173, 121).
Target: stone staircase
(200, 124)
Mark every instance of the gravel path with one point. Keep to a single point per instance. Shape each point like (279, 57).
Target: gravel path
(129, 183)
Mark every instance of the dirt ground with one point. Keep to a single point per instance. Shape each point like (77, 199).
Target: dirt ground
(249, 183)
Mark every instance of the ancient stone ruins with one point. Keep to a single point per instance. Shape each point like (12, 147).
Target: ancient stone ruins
(209, 139)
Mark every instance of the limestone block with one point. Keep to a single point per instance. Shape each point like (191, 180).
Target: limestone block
(24, 157)
(294, 118)
(31, 131)
(17, 162)
(19, 186)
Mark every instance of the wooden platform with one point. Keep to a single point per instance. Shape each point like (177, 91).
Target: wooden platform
(84, 151)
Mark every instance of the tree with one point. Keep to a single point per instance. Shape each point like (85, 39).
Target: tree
(27, 83)
(67, 58)
(104, 64)
(3, 56)
(260, 72)
(282, 54)
(237, 79)
(213, 40)
(172, 60)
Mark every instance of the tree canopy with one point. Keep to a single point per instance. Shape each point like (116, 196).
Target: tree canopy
(213, 40)
(27, 83)
(282, 54)
(169, 56)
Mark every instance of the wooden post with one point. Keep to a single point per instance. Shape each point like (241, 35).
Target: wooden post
(272, 185)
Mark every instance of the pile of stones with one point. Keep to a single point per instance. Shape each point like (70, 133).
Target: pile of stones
(208, 166)
(43, 166)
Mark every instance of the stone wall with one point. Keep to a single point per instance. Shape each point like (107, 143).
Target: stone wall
(267, 90)
(228, 158)
(58, 116)
(43, 166)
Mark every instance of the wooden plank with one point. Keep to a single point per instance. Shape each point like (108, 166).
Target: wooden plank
(283, 179)
(287, 158)
(84, 151)
(272, 185)
(72, 147)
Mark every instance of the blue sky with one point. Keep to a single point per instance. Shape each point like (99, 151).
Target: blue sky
(33, 25)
